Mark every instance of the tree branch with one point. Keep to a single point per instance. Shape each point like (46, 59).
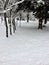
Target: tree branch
(4, 11)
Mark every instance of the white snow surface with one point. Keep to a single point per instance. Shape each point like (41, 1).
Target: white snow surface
(28, 46)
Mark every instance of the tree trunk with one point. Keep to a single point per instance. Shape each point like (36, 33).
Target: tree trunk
(20, 19)
(45, 13)
(5, 18)
(10, 24)
(45, 20)
(27, 17)
(10, 28)
(40, 24)
(14, 26)
(6, 25)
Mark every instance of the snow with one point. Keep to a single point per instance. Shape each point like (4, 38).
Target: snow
(28, 46)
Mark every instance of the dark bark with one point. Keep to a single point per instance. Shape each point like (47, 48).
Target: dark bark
(20, 16)
(40, 24)
(10, 24)
(27, 17)
(45, 12)
(10, 29)
(6, 25)
(45, 20)
(5, 18)
(14, 26)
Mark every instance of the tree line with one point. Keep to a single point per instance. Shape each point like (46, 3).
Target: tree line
(40, 11)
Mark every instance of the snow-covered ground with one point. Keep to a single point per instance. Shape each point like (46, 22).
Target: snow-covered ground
(28, 46)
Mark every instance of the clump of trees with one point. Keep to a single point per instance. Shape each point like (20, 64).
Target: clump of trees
(11, 7)
(41, 12)
(10, 11)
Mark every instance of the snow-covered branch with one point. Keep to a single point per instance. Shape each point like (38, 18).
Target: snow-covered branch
(4, 11)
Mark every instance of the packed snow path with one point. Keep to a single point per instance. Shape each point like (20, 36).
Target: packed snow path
(28, 46)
